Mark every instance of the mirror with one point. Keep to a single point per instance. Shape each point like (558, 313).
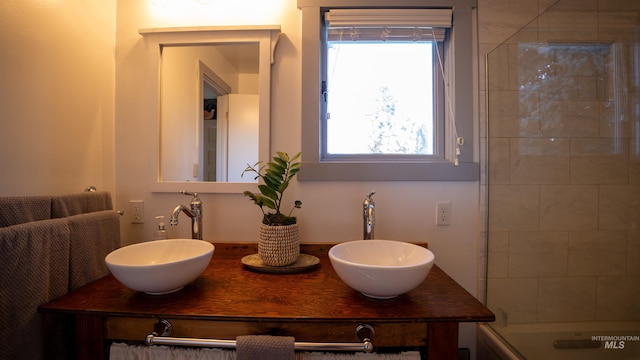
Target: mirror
(209, 100)
(211, 111)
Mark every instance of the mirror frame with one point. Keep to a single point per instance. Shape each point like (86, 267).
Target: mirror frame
(266, 36)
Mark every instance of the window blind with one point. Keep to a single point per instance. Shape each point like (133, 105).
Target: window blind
(387, 24)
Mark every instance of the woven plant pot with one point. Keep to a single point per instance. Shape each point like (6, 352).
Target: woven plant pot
(279, 245)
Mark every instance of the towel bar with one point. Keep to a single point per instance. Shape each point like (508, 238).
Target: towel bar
(365, 346)
(94, 189)
(163, 326)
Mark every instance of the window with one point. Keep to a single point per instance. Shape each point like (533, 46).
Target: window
(376, 106)
(383, 84)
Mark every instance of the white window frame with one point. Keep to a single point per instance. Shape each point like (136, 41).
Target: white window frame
(461, 84)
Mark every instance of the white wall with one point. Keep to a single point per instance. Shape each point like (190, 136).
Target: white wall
(57, 104)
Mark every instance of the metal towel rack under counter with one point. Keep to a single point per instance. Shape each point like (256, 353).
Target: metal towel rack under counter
(163, 327)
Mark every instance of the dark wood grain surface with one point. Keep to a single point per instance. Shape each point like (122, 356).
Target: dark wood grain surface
(229, 292)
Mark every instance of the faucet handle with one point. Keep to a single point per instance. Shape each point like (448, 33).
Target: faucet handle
(194, 194)
(195, 201)
(368, 206)
(368, 201)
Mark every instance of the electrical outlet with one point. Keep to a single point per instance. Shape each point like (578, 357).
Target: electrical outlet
(443, 213)
(137, 211)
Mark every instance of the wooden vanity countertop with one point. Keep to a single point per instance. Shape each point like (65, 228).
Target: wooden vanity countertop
(229, 292)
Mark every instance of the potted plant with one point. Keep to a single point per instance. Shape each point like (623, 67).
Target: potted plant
(279, 242)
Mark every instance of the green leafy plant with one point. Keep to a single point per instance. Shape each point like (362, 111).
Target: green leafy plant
(275, 176)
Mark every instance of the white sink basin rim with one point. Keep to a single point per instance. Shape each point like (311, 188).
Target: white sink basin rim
(160, 266)
(381, 269)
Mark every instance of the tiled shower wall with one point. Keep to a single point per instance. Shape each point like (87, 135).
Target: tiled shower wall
(563, 172)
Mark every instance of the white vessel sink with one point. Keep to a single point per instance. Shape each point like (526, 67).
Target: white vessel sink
(160, 266)
(381, 269)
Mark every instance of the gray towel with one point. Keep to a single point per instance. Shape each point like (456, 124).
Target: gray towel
(35, 267)
(93, 236)
(16, 210)
(264, 347)
(80, 203)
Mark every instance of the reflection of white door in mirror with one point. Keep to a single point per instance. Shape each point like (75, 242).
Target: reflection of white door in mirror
(184, 157)
(222, 136)
(243, 134)
(213, 138)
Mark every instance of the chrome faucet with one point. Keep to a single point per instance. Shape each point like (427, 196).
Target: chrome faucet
(194, 212)
(369, 216)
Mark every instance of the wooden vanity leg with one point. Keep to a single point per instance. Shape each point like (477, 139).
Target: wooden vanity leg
(442, 340)
(90, 337)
